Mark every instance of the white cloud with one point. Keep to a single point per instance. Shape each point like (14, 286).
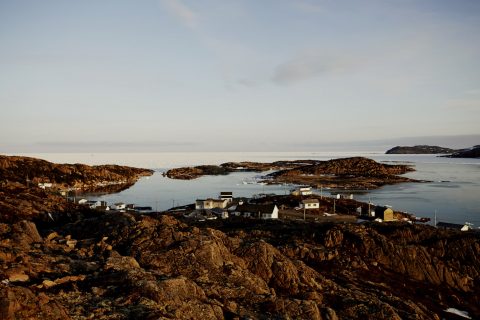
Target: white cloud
(182, 12)
(310, 66)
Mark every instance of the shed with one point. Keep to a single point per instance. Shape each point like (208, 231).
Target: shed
(384, 213)
(310, 204)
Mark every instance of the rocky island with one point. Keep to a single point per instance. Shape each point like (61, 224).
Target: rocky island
(349, 173)
(420, 149)
(72, 263)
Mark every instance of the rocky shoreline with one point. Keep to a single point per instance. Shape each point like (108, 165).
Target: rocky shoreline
(346, 173)
(29, 186)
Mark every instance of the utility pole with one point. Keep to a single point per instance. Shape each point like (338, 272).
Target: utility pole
(435, 217)
(321, 192)
(369, 211)
(333, 205)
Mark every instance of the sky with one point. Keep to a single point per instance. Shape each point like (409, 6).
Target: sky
(224, 75)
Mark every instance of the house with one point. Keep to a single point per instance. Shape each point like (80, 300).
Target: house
(92, 204)
(384, 213)
(221, 213)
(130, 207)
(310, 204)
(118, 206)
(446, 225)
(102, 208)
(200, 216)
(143, 209)
(263, 211)
(302, 191)
(226, 195)
(45, 185)
(82, 201)
(210, 204)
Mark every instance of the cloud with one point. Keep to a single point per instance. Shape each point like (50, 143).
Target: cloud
(182, 12)
(310, 66)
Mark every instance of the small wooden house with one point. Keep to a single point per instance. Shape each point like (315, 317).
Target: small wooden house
(310, 204)
(384, 213)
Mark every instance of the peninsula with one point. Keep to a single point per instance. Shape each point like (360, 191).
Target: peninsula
(30, 186)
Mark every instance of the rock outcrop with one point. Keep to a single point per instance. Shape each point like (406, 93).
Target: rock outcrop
(124, 266)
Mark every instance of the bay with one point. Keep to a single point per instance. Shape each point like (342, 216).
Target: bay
(453, 191)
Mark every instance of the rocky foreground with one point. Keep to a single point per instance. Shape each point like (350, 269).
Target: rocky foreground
(124, 266)
(351, 173)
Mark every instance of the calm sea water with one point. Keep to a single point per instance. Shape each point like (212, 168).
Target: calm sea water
(453, 193)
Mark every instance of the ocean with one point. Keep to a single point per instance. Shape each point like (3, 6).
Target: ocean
(452, 193)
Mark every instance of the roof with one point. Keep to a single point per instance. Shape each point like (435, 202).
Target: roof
(381, 209)
(218, 210)
(450, 225)
(310, 201)
(256, 208)
(226, 193)
(210, 199)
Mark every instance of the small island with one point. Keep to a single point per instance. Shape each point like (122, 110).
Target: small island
(420, 149)
(346, 173)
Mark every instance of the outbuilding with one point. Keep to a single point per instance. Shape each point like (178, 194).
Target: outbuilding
(310, 204)
(384, 213)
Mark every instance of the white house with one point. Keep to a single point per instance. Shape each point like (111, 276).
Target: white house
(263, 211)
(118, 206)
(92, 204)
(221, 213)
(310, 204)
(45, 185)
(208, 204)
(302, 191)
(82, 201)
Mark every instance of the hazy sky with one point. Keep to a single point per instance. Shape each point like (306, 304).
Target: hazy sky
(169, 75)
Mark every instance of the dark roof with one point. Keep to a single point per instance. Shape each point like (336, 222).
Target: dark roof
(143, 208)
(226, 193)
(450, 225)
(256, 208)
(217, 210)
(381, 209)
